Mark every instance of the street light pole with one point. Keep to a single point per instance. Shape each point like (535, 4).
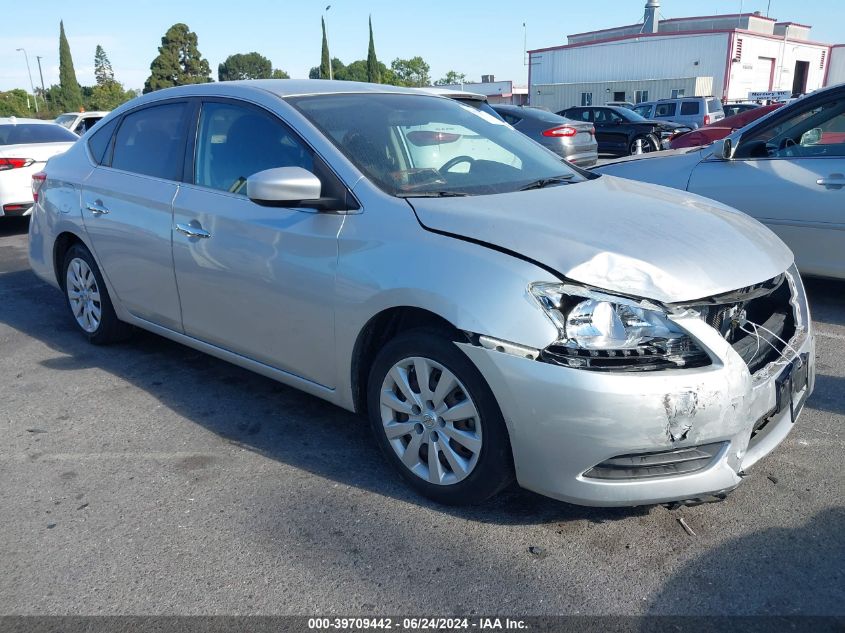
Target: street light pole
(41, 74)
(325, 18)
(29, 72)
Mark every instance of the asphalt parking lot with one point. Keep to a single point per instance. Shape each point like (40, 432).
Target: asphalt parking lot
(147, 478)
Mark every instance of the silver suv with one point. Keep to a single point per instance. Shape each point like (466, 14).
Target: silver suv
(692, 111)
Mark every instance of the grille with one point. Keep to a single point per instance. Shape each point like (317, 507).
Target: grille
(765, 305)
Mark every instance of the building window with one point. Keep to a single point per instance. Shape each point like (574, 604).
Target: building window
(641, 96)
(586, 99)
(677, 93)
(619, 96)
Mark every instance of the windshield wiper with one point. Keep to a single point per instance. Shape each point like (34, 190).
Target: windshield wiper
(546, 182)
(432, 194)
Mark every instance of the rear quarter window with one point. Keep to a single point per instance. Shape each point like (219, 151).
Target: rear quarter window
(100, 141)
(714, 105)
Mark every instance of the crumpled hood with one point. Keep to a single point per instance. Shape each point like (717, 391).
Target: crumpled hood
(620, 235)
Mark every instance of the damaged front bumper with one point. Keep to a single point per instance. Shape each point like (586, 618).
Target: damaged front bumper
(621, 438)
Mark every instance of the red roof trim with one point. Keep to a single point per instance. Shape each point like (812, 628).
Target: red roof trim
(678, 34)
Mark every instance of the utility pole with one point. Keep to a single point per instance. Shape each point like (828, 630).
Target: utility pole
(326, 15)
(29, 72)
(41, 74)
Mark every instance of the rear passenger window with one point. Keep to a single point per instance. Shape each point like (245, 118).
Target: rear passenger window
(690, 107)
(149, 141)
(100, 141)
(664, 109)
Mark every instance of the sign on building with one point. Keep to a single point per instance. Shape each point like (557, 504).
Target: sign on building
(769, 96)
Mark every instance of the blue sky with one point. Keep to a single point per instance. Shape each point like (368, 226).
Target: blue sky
(469, 36)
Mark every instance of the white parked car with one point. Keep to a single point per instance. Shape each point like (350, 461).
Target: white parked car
(80, 122)
(786, 169)
(25, 146)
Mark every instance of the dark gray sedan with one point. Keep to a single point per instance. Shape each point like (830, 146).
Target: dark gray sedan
(573, 140)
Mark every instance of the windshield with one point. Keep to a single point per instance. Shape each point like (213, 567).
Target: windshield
(411, 145)
(21, 133)
(631, 115)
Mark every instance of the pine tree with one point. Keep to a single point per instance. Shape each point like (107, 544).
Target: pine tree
(373, 71)
(325, 62)
(179, 61)
(70, 95)
(102, 67)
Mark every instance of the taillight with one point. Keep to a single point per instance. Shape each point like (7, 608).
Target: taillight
(592, 131)
(706, 119)
(423, 138)
(563, 130)
(37, 182)
(14, 163)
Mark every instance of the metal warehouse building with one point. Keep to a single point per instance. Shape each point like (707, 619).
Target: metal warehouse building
(728, 56)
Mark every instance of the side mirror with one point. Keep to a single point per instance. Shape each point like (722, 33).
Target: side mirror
(811, 137)
(724, 148)
(283, 187)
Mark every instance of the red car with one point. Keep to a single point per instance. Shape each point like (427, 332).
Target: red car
(720, 129)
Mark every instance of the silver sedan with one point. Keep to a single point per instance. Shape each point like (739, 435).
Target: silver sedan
(493, 311)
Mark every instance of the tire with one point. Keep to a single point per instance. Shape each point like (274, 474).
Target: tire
(648, 145)
(88, 299)
(473, 456)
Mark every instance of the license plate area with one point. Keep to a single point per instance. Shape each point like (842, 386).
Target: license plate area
(791, 382)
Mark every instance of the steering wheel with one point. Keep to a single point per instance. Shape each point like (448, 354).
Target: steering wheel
(457, 160)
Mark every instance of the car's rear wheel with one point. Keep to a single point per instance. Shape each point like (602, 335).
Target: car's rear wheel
(88, 299)
(648, 145)
(437, 420)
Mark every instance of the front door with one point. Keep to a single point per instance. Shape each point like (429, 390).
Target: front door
(789, 173)
(126, 208)
(254, 280)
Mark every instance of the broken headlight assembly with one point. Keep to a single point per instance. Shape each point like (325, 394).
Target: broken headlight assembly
(601, 331)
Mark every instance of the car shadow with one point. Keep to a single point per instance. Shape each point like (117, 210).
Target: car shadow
(832, 309)
(11, 225)
(254, 412)
(827, 395)
(781, 571)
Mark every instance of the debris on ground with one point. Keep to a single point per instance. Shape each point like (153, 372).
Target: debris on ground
(772, 478)
(684, 525)
(537, 552)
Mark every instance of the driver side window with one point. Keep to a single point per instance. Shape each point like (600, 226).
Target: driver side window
(811, 133)
(235, 142)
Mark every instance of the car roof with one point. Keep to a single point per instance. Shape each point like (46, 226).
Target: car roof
(453, 94)
(14, 120)
(286, 87)
(99, 113)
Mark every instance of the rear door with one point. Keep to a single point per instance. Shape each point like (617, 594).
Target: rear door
(611, 131)
(127, 208)
(255, 280)
(790, 174)
(666, 111)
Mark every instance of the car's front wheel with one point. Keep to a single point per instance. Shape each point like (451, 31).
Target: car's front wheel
(437, 420)
(88, 299)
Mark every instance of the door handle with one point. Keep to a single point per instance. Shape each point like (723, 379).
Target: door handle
(834, 181)
(97, 208)
(192, 231)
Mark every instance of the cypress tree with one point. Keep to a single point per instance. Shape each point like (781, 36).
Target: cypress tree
(70, 94)
(325, 62)
(373, 71)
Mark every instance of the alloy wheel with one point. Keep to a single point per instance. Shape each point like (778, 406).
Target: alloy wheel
(430, 421)
(83, 295)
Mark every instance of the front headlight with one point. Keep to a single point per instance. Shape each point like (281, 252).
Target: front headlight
(602, 331)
